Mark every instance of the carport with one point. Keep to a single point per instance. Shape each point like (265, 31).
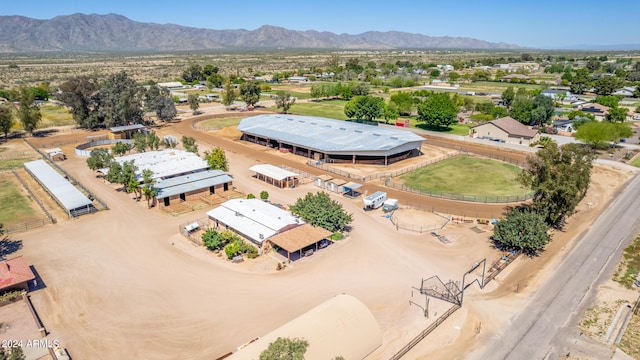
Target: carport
(351, 189)
(299, 238)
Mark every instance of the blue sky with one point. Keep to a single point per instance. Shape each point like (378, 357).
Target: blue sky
(538, 24)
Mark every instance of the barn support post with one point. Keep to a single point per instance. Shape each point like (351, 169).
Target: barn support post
(353, 159)
(385, 160)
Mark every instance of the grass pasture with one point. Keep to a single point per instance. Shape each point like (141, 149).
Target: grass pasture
(217, 124)
(467, 175)
(8, 164)
(636, 162)
(15, 206)
(332, 109)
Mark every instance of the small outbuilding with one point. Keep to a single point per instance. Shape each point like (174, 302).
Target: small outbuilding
(335, 185)
(15, 274)
(125, 132)
(55, 154)
(350, 189)
(298, 238)
(275, 176)
(321, 181)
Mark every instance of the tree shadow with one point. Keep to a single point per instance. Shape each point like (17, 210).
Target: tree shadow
(44, 133)
(434, 128)
(8, 246)
(37, 283)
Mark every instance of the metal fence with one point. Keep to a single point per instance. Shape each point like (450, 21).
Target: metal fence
(424, 333)
(71, 179)
(461, 197)
(304, 177)
(203, 223)
(34, 197)
(17, 154)
(25, 226)
(81, 149)
(419, 228)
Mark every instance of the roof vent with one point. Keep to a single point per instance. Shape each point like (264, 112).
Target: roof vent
(374, 134)
(358, 131)
(343, 128)
(261, 236)
(314, 123)
(394, 137)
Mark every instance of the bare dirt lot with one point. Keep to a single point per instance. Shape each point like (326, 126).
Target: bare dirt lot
(123, 284)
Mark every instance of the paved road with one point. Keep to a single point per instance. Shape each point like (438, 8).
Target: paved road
(536, 332)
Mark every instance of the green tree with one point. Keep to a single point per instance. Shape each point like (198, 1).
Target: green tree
(264, 195)
(559, 178)
(508, 95)
(229, 93)
(148, 190)
(522, 229)
(250, 92)
(438, 111)
(28, 112)
(404, 102)
(192, 73)
(453, 76)
(232, 249)
(600, 134)
(360, 89)
(364, 107)
(140, 142)
(320, 210)
(153, 141)
(6, 119)
(159, 101)
(217, 159)
(194, 103)
(606, 85)
(118, 102)
(284, 100)
(521, 107)
(391, 111)
(77, 94)
(617, 114)
(99, 159)
(542, 109)
(189, 144)
(285, 349)
(213, 240)
(609, 101)
(581, 81)
(215, 80)
(120, 148)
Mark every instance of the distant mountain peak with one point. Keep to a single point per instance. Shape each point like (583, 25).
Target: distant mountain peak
(116, 33)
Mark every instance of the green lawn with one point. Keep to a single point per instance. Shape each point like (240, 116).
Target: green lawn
(217, 124)
(55, 115)
(467, 175)
(3, 149)
(332, 109)
(13, 163)
(636, 162)
(496, 87)
(15, 207)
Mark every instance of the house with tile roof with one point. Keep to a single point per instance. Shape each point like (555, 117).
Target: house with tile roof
(507, 130)
(15, 274)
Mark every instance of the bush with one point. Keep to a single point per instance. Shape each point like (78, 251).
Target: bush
(264, 195)
(213, 240)
(251, 196)
(336, 236)
(10, 295)
(232, 249)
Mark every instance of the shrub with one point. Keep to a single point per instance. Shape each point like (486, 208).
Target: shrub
(251, 196)
(213, 240)
(10, 295)
(264, 195)
(336, 236)
(232, 249)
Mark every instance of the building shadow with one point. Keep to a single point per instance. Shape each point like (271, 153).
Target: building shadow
(37, 283)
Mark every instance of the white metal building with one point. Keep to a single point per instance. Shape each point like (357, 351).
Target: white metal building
(254, 219)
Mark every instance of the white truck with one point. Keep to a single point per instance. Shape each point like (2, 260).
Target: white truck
(375, 200)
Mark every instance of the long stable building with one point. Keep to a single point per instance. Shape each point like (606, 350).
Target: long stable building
(329, 140)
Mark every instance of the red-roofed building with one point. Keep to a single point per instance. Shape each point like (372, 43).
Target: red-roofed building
(14, 274)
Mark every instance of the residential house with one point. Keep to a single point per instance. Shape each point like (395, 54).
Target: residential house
(564, 126)
(627, 91)
(597, 110)
(554, 94)
(507, 130)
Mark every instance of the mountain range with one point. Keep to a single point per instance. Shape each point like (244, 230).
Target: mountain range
(83, 33)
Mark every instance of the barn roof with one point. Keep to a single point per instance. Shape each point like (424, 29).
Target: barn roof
(330, 136)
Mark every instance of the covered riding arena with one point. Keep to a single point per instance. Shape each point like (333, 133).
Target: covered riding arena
(331, 141)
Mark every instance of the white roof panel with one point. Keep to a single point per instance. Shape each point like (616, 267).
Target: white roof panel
(254, 218)
(68, 195)
(165, 163)
(273, 172)
(330, 136)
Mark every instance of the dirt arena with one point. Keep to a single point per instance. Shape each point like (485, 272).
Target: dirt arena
(123, 283)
